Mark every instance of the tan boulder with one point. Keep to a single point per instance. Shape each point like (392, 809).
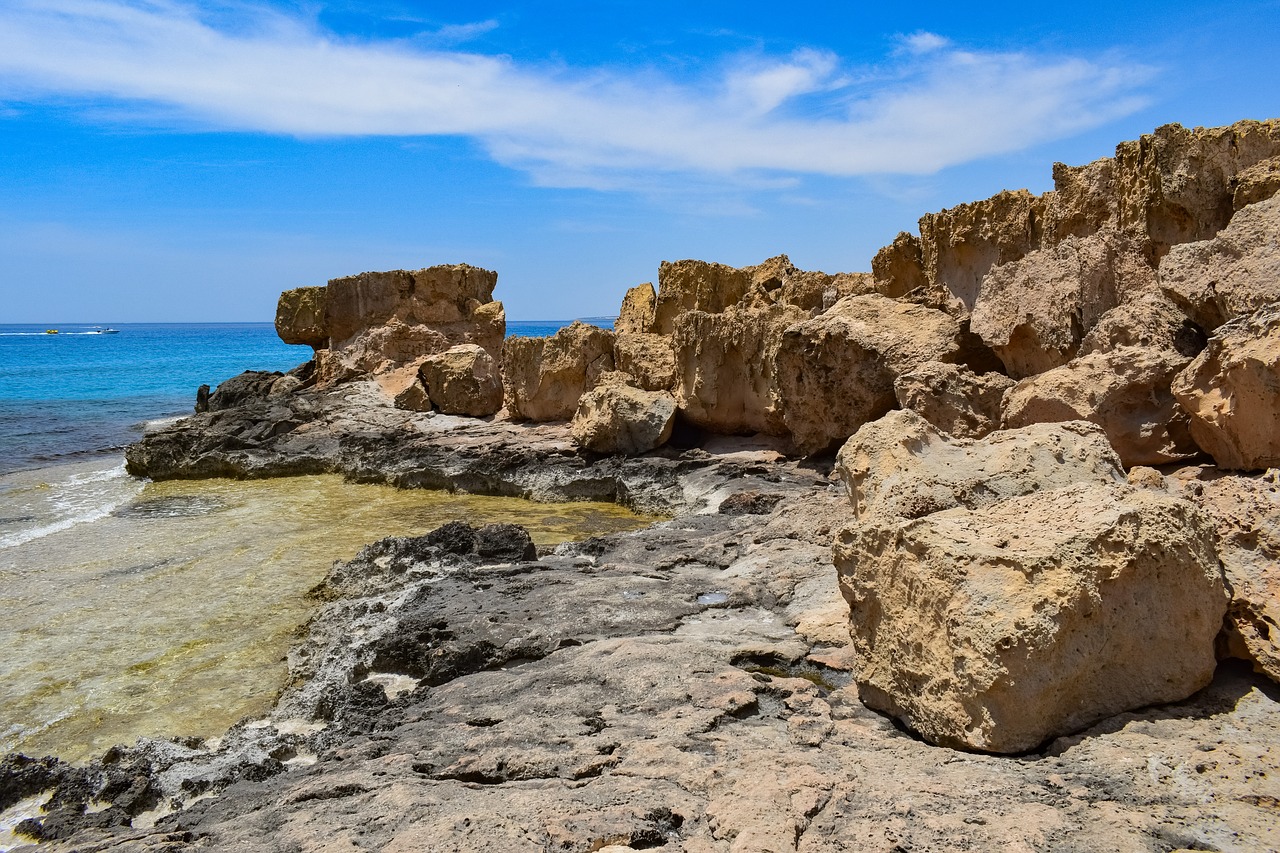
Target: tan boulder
(1152, 321)
(544, 377)
(637, 312)
(1246, 512)
(836, 371)
(726, 368)
(1232, 392)
(998, 628)
(649, 359)
(898, 268)
(901, 466)
(413, 397)
(300, 317)
(953, 398)
(463, 380)
(1125, 391)
(1257, 183)
(685, 286)
(1034, 312)
(615, 417)
(1231, 275)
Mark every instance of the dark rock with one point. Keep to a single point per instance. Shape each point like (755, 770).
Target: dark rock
(749, 503)
(505, 542)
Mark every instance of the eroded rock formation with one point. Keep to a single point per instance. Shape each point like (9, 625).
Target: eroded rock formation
(544, 377)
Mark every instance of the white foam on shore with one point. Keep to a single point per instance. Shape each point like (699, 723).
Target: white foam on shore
(60, 498)
(16, 814)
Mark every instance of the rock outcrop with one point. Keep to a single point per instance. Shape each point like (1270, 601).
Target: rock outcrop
(544, 377)
(836, 371)
(302, 318)
(1124, 391)
(463, 380)
(648, 359)
(379, 322)
(1232, 392)
(999, 628)
(615, 417)
(1234, 274)
(953, 398)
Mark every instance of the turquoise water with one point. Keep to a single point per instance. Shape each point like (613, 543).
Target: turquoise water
(76, 395)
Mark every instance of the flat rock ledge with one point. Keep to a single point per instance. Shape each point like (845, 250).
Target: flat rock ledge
(683, 687)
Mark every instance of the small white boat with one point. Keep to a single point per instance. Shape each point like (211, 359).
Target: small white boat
(98, 330)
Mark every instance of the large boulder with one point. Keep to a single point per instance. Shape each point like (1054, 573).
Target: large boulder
(901, 466)
(648, 359)
(1034, 312)
(953, 398)
(301, 317)
(463, 380)
(1246, 512)
(1152, 321)
(1124, 391)
(1231, 275)
(615, 417)
(998, 628)
(544, 377)
(836, 371)
(726, 367)
(1232, 392)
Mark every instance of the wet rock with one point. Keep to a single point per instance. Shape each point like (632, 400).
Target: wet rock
(953, 398)
(998, 628)
(614, 417)
(463, 380)
(243, 388)
(902, 467)
(302, 317)
(1125, 391)
(1231, 275)
(836, 371)
(544, 377)
(1232, 392)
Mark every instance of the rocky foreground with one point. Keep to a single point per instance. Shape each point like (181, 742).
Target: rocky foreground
(685, 687)
(979, 550)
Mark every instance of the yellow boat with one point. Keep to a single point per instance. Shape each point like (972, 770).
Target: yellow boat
(51, 331)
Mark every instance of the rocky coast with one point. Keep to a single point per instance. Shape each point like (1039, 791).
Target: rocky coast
(978, 550)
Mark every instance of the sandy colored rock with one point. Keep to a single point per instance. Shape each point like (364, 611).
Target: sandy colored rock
(413, 397)
(898, 268)
(301, 317)
(381, 322)
(726, 368)
(1257, 183)
(649, 359)
(1151, 321)
(836, 371)
(1232, 392)
(960, 245)
(1034, 312)
(690, 285)
(1125, 391)
(901, 466)
(615, 417)
(1246, 512)
(463, 380)
(996, 629)
(953, 398)
(1231, 275)
(637, 311)
(544, 377)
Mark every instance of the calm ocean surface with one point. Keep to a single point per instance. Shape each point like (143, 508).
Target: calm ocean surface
(73, 395)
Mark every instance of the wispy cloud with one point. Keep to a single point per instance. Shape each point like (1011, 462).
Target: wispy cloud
(932, 104)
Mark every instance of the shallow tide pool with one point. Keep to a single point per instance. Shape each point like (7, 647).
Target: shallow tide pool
(135, 609)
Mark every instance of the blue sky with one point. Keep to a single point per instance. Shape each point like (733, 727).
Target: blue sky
(165, 160)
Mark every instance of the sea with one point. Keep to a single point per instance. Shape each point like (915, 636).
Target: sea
(141, 609)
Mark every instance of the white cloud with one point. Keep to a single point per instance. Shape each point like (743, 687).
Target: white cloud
(930, 107)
